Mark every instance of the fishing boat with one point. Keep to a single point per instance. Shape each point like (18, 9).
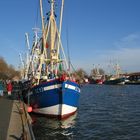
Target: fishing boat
(117, 78)
(97, 77)
(115, 81)
(53, 89)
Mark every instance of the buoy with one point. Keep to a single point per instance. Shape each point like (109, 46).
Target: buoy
(29, 109)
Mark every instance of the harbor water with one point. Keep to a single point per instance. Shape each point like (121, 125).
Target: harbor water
(105, 113)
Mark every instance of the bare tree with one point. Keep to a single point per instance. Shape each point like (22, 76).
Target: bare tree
(7, 71)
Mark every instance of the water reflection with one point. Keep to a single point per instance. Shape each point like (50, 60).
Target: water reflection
(55, 123)
(69, 122)
(53, 128)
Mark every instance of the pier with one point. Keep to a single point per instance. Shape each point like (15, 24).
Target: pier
(15, 122)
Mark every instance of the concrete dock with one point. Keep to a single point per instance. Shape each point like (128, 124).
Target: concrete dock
(15, 122)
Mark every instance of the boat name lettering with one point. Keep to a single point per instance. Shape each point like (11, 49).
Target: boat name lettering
(38, 90)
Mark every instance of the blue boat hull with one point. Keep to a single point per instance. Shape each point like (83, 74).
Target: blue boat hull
(55, 98)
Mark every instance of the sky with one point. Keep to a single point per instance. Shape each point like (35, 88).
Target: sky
(100, 32)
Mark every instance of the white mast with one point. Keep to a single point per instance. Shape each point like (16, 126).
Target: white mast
(53, 33)
(23, 66)
(27, 56)
(61, 15)
(60, 26)
(35, 51)
(43, 42)
(27, 41)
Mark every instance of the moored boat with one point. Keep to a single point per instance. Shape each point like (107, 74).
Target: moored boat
(117, 78)
(56, 98)
(53, 90)
(97, 75)
(115, 81)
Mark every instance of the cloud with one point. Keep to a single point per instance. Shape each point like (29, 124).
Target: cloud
(131, 37)
(128, 58)
(130, 41)
(125, 51)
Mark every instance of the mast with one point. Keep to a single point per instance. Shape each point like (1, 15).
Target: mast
(35, 51)
(27, 41)
(23, 67)
(27, 56)
(42, 17)
(61, 15)
(53, 33)
(118, 70)
(36, 30)
(43, 29)
(43, 42)
(60, 26)
(68, 52)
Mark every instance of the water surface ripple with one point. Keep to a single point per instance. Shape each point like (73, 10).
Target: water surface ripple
(105, 113)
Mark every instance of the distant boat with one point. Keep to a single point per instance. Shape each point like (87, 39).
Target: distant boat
(99, 81)
(133, 79)
(97, 78)
(116, 79)
(53, 92)
(132, 83)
